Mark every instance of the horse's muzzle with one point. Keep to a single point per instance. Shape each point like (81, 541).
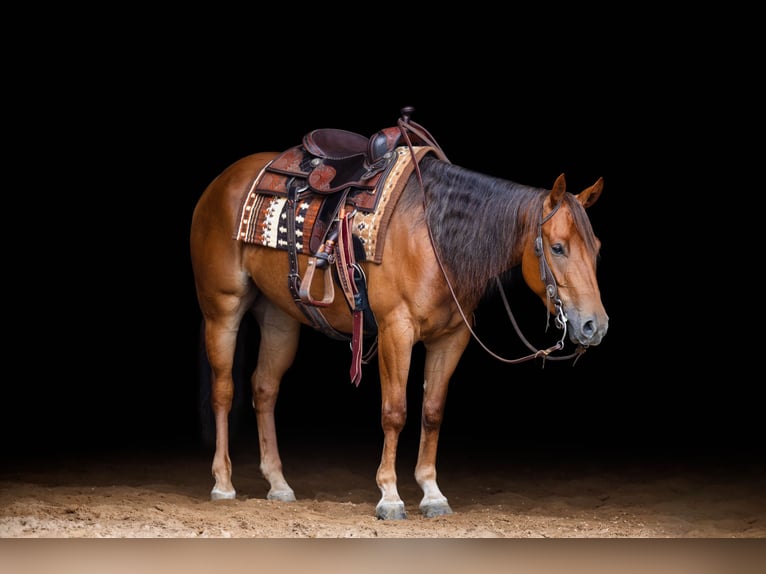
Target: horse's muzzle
(588, 332)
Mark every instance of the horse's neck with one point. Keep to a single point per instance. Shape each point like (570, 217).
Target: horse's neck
(480, 224)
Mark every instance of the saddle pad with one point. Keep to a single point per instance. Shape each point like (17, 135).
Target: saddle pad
(263, 218)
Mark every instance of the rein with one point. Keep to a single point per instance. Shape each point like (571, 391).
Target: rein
(551, 291)
(551, 288)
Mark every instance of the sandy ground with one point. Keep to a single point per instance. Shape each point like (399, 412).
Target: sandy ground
(166, 495)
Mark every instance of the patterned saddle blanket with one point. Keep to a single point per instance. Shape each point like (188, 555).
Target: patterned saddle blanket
(264, 207)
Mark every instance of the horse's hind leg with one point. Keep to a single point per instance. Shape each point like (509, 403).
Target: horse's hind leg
(279, 344)
(220, 342)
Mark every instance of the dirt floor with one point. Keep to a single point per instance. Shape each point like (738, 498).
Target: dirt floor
(166, 495)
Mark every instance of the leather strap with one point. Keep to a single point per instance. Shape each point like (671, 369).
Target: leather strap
(347, 269)
(313, 314)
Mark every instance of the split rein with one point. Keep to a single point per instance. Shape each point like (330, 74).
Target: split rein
(551, 289)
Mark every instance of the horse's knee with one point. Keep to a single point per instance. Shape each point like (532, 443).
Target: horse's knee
(433, 415)
(394, 417)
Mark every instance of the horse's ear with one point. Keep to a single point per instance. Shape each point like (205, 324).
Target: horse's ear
(558, 191)
(588, 197)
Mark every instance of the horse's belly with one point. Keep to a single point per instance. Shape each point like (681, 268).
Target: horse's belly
(270, 269)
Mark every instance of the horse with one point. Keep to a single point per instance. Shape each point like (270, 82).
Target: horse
(451, 236)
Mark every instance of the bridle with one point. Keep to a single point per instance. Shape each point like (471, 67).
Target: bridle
(551, 294)
(546, 274)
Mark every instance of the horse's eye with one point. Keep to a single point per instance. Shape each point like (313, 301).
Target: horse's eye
(557, 249)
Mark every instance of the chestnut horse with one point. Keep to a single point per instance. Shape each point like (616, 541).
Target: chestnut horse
(452, 234)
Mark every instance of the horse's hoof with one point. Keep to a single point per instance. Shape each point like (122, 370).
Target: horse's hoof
(390, 511)
(281, 495)
(435, 509)
(216, 494)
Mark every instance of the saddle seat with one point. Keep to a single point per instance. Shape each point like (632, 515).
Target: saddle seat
(337, 144)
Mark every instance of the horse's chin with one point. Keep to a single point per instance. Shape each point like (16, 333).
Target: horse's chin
(592, 342)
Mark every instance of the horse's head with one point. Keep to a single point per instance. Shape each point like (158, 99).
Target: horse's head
(559, 263)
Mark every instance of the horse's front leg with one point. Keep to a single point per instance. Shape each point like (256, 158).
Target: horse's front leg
(441, 360)
(394, 357)
(279, 344)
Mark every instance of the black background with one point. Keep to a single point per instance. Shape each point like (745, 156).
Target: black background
(111, 151)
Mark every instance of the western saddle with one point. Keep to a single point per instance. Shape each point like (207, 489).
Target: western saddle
(345, 167)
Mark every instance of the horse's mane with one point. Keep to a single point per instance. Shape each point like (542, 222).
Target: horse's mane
(479, 222)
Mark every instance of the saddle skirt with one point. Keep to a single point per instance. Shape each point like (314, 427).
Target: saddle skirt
(264, 207)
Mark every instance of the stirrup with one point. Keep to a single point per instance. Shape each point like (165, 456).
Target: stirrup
(329, 285)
